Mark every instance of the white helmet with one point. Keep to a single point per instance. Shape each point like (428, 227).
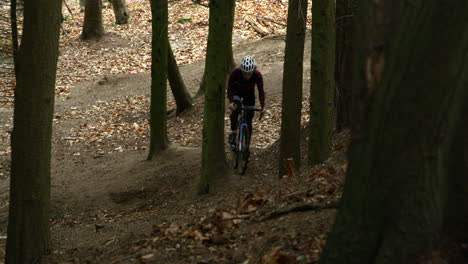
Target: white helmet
(247, 64)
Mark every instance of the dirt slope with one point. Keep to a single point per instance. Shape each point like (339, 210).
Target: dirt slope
(131, 198)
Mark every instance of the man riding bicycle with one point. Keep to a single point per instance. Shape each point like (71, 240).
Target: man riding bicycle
(241, 84)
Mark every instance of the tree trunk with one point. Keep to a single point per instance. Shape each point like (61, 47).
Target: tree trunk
(292, 85)
(159, 58)
(92, 26)
(28, 228)
(179, 91)
(229, 64)
(14, 32)
(120, 11)
(406, 170)
(322, 84)
(213, 156)
(343, 62)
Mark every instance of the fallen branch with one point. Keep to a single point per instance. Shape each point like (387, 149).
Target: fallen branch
(273, 21)
(299, 208)
(198, 2)
(124, 258)
(341, 17)
(263, 31)
(171, 111)
(69, 10)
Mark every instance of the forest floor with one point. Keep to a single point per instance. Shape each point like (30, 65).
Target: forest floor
(110, 205)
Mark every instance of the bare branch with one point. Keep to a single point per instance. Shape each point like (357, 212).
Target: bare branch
(300, 208)
(273, 21)
(69, 10)
(346, 16)
(198, 2)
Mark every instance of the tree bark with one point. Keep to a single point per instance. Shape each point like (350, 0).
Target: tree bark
(92, 26)
(322, 84)
(120, 11)
(213, 155)
(28, 228)
(292, 85)
(229, 64)
(179, 91)
(406, 170)
(14, 32)
(159, 58)
(343, 62)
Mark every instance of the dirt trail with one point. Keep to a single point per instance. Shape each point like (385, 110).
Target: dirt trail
(84, 182)
(125, 194)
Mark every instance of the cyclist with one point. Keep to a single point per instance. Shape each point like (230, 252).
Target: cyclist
(241, 84)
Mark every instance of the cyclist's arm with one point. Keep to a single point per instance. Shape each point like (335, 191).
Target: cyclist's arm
(261, 92)
(230, 90)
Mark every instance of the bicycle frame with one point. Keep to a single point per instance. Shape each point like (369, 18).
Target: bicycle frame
(242, 125)
(241, 152)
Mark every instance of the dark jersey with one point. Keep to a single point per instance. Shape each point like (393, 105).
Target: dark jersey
(238, 86)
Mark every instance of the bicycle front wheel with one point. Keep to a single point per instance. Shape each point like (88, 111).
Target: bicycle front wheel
(235, 158)
(243, 151)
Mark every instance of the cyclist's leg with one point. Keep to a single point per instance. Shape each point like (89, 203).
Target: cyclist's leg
(234, 121)
(249, 115)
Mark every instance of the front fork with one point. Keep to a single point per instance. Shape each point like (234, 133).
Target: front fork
(241, 133)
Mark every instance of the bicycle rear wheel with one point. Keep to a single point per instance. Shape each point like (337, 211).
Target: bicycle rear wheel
(235, 158)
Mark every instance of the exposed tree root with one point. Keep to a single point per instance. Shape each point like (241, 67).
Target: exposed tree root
(300, 208)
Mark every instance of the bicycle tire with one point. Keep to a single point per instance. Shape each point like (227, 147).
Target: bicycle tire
(235, 159)
(242, 154)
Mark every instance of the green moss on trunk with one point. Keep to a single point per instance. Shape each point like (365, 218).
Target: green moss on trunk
(229, 64)
(92, 25)
(400, 183)
(292, 85)
(179, 90)
(213, 155)
(345, 10)
(159, 58)
(28, 228)
(322, 83)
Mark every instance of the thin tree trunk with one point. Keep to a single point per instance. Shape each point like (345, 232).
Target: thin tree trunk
(28, 228)
(229, 65)
(14, 32)
(120, 11)
(179, 91)
(92, 26)
(292, 85)
(213, 155)
(455, 158)
(322, 83)
(159, 58)
(343, 62)
(360, 41)
(402, 179)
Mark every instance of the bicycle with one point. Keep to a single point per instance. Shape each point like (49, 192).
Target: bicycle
(242, 143)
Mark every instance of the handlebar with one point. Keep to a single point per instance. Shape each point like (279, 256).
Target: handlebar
(253, 109)
(241, 105)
